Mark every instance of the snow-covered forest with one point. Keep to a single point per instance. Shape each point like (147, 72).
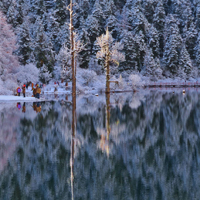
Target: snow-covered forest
(159, 38)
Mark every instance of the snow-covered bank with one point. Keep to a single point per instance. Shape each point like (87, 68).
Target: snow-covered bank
(89, 83)
(19, 98)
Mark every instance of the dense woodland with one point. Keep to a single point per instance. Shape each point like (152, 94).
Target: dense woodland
(159, 37)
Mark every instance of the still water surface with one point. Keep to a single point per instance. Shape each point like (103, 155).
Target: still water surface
(124, 146)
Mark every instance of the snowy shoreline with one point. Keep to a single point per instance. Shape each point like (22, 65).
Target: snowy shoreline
(4, 98)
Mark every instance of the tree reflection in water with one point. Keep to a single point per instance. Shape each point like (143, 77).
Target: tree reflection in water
(153, 142)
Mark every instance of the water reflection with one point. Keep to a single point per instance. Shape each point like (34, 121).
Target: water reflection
(130, 146)
(37, 107)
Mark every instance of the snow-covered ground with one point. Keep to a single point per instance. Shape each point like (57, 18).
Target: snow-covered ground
(18, 98)
(89, 83)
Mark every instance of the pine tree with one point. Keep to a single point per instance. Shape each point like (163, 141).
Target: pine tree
(138, 19)
(85, 54)
(13, 15)
(185, 63)
(60, 11)
(149, 9)
(159, 24)
(197, 7)
(151, 66)
(42, 47)
(172, 48)
(53, 31)
(153, 41)
(197, 53)
(44, 75)
(24, 41)
(134, 48)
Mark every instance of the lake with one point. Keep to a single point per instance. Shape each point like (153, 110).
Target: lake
(143, 145)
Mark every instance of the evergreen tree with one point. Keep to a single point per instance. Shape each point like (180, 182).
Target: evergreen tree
(151, 66)
(134, 48)
(191, 35)
(42, 47)
(197, 10)
(24, 41)
(138, 19)
(153, 41)
(60, 11)
(13, 15)
(159, 23)
(197, 53)
(172, 48)
(44, 75)
(53, 30)
(85, 54)
(149, 9)
(159, 17)
(185, 64)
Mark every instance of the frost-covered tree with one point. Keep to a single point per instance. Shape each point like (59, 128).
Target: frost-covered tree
(44, 74)
(173, 44)
(151, 66)
(113, 26)
(159, 16)
(53, 31)
(85, 54)
(109, 52)
(134, 48)
(191, 35)
(24, 41)
(149, 9)
(159, 24)
(185, 64)
(138, 19)
(42, 46)
(197, 53)
(61, 13)
(8, 61)
(64, 61)
(13, 15)
(153, 41)
(197, 10)
(27, 73)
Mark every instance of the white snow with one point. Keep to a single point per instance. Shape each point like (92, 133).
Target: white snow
(89, 83)
(19, 98)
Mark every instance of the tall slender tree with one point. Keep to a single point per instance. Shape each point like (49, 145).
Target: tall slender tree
(109, 52)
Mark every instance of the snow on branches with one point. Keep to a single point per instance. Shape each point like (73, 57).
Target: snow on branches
(8, 61)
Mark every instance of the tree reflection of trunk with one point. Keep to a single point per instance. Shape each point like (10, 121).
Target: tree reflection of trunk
(73, 99)
(108, 116)
(73, 142)
(108, 113)
(107, 61)
(105, 140)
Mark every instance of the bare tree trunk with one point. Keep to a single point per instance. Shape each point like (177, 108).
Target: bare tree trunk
(107, 64)
(107, 77)
(73, 97)
(72, 49)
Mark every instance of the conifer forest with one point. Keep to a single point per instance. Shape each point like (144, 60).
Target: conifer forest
(159, 38)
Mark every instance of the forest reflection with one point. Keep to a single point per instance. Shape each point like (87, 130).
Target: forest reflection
(117, 146)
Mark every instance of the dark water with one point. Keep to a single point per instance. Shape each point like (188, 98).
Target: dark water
(126, 146)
